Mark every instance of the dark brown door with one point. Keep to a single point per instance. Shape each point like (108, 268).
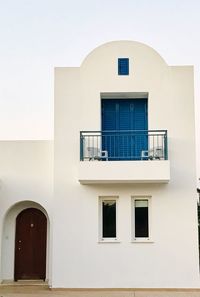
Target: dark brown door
(30, 245)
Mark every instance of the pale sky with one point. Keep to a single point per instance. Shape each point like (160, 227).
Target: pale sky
(37, 35)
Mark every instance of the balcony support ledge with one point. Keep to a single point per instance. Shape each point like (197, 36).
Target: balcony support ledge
(113, 172)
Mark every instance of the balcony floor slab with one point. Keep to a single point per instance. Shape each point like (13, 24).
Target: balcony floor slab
(105, 172)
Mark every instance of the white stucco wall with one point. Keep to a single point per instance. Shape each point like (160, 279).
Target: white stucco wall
(26, 180)
(75, 257)
(171, 258)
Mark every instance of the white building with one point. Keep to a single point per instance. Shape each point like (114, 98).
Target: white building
(116, 190)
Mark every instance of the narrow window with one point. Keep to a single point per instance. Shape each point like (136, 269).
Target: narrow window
(108, 219)
(141, 218)
(123, 66)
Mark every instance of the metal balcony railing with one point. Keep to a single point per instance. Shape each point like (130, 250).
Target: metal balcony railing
(123, 145)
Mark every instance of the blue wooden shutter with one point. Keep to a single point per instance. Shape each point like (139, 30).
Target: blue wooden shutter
(123, 66)
(140, 123)
(124, 115)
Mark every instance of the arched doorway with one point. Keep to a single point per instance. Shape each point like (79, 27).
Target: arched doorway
(30, 245)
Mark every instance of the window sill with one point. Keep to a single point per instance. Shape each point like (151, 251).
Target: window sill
(109, 241)
(142, 241)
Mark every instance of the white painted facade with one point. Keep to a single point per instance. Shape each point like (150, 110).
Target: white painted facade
(77, 255)
(26, 172)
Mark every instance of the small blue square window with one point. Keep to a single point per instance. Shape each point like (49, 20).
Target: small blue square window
(123, 66)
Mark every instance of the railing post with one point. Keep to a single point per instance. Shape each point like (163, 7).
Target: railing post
(166, 145)
(81, 146)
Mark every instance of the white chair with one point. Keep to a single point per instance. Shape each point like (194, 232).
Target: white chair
(94, 153)
(159, 153)
(153, 154)
(147, 155)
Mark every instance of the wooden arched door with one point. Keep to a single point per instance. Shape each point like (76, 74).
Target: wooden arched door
(30, 245)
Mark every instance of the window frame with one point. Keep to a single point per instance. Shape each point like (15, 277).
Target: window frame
(101, 200)
(133, 237)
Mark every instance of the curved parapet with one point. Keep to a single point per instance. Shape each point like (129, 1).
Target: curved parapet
(144, 62)
(126, 46)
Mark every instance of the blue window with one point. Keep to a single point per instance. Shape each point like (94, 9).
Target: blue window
(123, 66)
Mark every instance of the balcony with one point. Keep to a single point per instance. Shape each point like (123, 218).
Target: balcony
(124, 156)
